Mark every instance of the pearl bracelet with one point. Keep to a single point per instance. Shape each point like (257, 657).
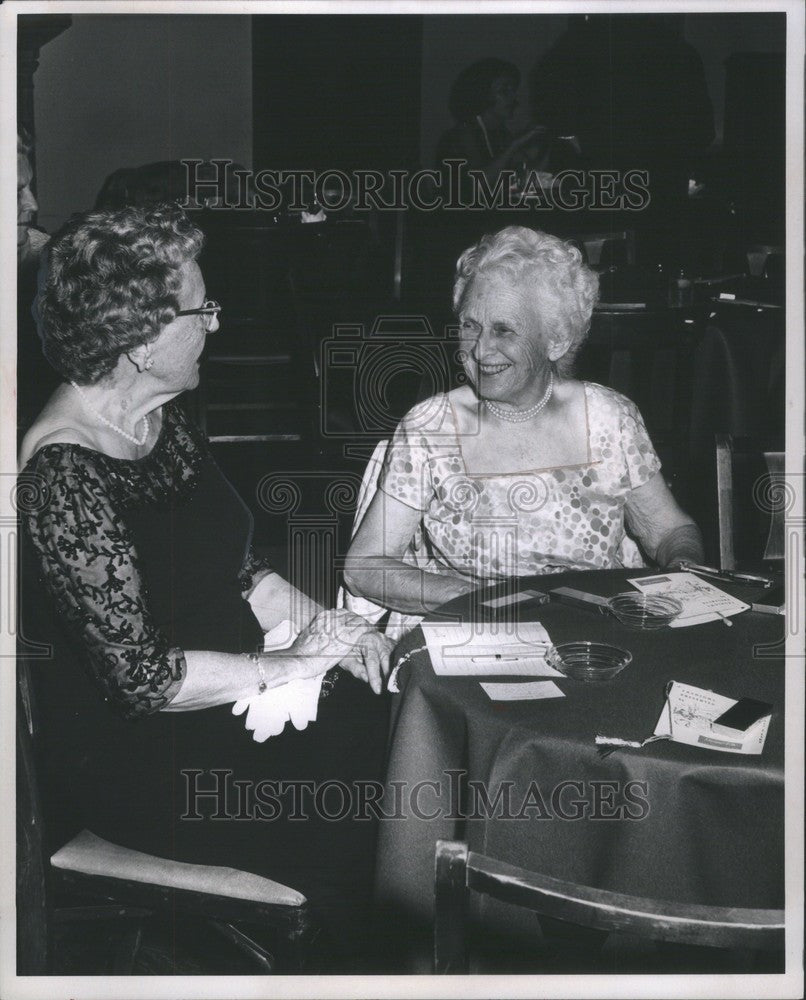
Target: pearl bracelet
(255, 658)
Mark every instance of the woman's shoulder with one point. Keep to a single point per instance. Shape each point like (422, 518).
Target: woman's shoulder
(428, 416)
(609, 400)
(55, 431)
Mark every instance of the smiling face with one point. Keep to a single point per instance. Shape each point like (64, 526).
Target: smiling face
(505, 354)
(176, 351)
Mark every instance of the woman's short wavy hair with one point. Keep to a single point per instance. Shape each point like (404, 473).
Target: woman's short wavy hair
(471, 92)
(567, 288)
(110, 284)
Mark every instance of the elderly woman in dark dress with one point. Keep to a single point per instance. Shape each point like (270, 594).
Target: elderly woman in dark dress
(158, 606)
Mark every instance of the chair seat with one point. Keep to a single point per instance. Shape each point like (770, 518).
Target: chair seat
(88, 854)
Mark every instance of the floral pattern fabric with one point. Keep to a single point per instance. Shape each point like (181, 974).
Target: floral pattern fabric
(527, 523)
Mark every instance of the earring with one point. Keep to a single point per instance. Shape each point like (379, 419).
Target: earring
(149, 363)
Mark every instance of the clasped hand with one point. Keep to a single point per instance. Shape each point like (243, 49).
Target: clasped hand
(341, 637)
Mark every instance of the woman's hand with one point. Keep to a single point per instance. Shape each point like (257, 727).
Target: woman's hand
(331, 637)
(370, 660)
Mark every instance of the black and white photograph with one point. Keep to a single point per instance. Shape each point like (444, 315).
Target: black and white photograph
(402, 499)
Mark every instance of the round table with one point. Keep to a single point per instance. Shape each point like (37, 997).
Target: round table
(669, 821)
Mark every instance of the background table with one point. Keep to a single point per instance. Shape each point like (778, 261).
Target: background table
(713, 833)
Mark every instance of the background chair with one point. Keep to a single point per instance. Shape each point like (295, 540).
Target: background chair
(611, 249)
(647, 355)
(258, 377)
(92, 882)
(751, 504)
(460, 872)
(764, 260)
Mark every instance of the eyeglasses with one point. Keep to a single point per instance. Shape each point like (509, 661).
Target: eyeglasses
(209, 310)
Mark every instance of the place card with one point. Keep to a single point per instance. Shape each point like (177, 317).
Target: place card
(525, 595)
(528, 691)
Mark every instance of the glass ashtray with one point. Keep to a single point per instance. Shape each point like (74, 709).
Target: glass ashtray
(645, 611)
(588, 661)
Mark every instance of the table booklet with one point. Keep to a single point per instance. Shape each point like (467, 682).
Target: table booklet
(690, 712)
(701, 600)
(494, 649)
(477, 649)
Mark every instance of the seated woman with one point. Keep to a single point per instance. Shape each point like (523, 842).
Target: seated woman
(523, 470)
(483, 101)
(157, 605)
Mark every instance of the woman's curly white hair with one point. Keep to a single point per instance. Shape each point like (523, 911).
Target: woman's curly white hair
(567, 289)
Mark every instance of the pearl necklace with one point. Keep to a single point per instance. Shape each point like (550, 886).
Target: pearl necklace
(114, 427)
(521, 416)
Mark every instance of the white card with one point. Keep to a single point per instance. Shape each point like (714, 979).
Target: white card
(524, 595)
(530, 691)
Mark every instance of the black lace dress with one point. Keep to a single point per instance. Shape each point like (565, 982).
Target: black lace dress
(125, 564)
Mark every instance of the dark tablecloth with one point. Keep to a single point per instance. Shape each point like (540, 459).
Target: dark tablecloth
(711, 827)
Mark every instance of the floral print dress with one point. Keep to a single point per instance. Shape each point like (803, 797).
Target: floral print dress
(492, 526)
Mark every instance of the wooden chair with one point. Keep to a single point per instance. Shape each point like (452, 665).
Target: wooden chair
(763, 259)
(90, 880)
(245, 398)
(459, 872)
(603, 250)
(258, 375)
(646, 354)
(763, 495)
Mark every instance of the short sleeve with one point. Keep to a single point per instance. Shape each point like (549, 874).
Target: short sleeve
(640, 458)
(406, 473)
(88, 563)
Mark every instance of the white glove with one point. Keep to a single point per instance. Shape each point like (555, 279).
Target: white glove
(297, 701)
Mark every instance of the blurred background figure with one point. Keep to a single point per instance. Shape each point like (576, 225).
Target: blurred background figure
(30, 240)
(202, 184)
(35, 378)
(633, 94)
(483, 101)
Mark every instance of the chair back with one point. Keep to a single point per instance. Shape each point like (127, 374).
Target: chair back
(646, 354)
(603, 250)
(751, 503)
(460, 872)
(33, 938)
(760, 259)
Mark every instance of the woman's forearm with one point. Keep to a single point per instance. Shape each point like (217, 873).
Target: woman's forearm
(682, 542)
(395, 584)
(274, 600)
(223, 678)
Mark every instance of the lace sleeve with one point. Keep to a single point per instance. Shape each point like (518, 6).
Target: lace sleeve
(254, 566)
(89, 565)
